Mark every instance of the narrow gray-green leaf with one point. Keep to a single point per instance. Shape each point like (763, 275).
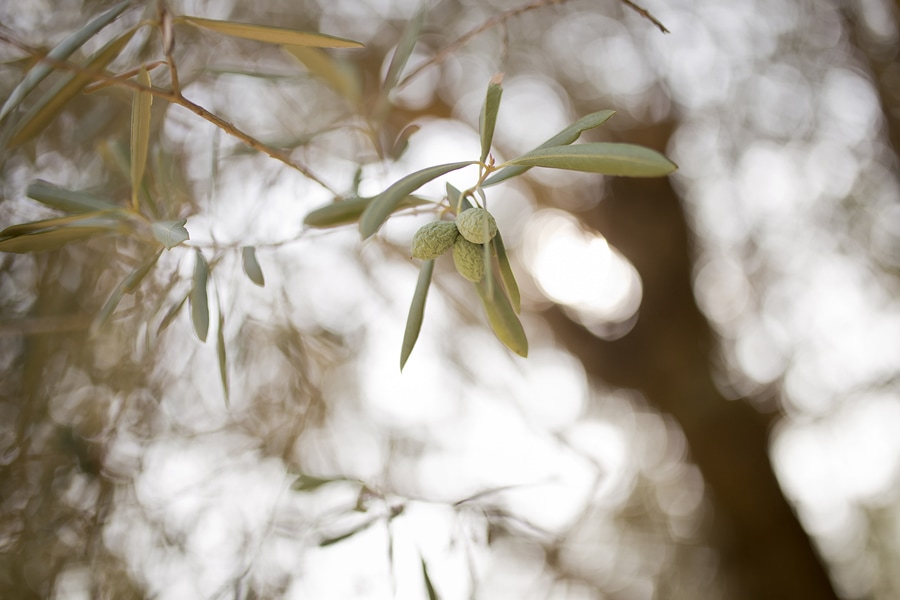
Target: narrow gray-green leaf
(272, 35)
(199, 298)
(140, 272)
(506, 274)
(126, 286)
(171, 314)
(66, 200)
(502, 318)
(567, 136)
(251, 266)
(329, 541)
(386, 202)
(220, 353)
(170, 233)
(308, 483)
(416, 311)
(625, 160)
(140, 134)
(345, 212)
(42, 113)
(341, 76)
(60, 52)
(49, 234)
(398, 62)
(429, 586)
(489, 114)
(453, 197)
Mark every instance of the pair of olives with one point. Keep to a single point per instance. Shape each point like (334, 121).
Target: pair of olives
(467, 235)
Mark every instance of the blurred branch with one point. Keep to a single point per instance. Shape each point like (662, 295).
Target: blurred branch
(175, 97)
(646, 14)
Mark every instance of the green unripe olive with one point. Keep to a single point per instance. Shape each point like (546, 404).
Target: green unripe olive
(469, 259)
(433, 239)
(476, 225)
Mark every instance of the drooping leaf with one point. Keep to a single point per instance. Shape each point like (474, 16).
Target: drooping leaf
(60, 52)
(398, 62)
(66, 200)
(429, 586)
(251, 266)
(416, 311)
(50, 234)
(170, 233)
(341, 76)
(506, 274)
(140, 134)
(272, 35)
(126, 286)
(171, 314)
(502, 317)
(386, 202)
(199, 298)
(625, 160)
(567, 136)
(402, 141)
(42, 113)
(489, 111)
(345, 212)
(220, 353)
(330, 541)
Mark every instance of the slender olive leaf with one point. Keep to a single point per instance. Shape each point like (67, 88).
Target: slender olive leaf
(69, 201)
(503, 319)
(506, 274)
(220, 354)
(345, 212)
(330, 541)
(170, 233)
(402, 141)
(429, 586)
(567, 136)
(272, 35)
(489, 114)
(94, 219)
(50, 234)
(308, 483)
(341, 76)
(398, 62)
(386, 202)
(416, 312)
(625, 160)
(126, 286)
(251, 266)
(453, 196)
(60, 52)
(55, 99)
(140, 134)
(199, 299)
(171, 314)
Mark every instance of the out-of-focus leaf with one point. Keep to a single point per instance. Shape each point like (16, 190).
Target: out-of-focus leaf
(625, 160)
(272, 35)
(402, 141)
(220, 353)
(60, 52)
(386, 202)
(329, 541)
(170, 233)
(69, 201)
(345, 212)
(50, 234)
(251, 266)
(171, 314)
(564, 137)
(506, 274)
(429, 586)
(489, 111)
(416, 311)
(140, 134)
(398, 62)
(55, 99)
(341, 76)
(199, 298)
(126, 286)
(502, 317)
(308, 483)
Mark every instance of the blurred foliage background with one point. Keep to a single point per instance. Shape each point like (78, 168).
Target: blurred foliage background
(710, 408)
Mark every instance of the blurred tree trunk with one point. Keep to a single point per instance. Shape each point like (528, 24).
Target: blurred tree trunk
(668, 357)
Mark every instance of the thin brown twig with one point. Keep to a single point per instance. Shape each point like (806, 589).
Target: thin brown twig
(646, 14)
(178, 99)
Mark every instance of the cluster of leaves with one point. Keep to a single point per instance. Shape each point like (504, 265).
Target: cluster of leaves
(141, 219)
(500, 297)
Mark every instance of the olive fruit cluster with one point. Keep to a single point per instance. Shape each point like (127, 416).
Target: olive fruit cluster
(472, 229)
